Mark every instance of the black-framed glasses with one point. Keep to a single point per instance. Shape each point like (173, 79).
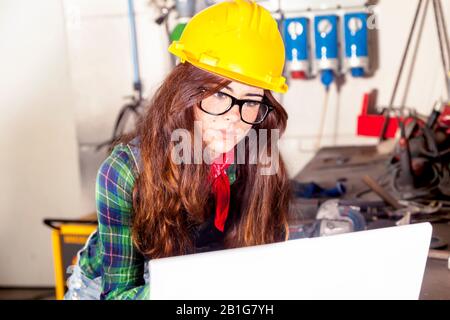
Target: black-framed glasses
(251, 111)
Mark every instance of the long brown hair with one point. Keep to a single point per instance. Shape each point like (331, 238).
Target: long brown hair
(169, 200)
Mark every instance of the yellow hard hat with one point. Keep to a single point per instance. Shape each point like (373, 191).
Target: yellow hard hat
(236, 39)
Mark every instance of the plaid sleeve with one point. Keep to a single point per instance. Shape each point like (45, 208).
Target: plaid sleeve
(122, 264)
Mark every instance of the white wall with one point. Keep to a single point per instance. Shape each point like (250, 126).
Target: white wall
(39, 160)
(44, 119)
(100, 59)
(304, 101)
(101, 72)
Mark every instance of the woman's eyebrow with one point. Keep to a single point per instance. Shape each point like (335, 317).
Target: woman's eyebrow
(254, 95)
(247, 94)
(229, 88)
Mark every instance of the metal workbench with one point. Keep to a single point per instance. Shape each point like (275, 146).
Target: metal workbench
(349, 164)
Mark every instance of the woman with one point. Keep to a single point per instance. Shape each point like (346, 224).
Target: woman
(155, 198)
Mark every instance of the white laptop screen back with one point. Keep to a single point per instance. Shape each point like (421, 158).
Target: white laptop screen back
(386, 263)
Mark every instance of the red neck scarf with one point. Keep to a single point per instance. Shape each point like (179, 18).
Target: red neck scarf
(221, 187)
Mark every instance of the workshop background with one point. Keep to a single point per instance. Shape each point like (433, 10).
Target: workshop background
(67, 71)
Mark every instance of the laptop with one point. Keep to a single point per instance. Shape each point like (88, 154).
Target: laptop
(386, 263)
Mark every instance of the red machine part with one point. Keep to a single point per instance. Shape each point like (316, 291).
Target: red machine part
(300, 75)
(444, 118)
(372, 124)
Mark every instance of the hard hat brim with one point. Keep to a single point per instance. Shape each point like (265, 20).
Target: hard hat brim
(277, 84)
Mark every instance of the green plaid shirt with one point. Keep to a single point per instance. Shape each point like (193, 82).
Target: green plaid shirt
(110, 253)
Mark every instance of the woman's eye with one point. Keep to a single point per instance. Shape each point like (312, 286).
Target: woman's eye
(220, 95)
(252, 103)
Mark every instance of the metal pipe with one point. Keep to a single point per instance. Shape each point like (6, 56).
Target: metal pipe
(134, 49)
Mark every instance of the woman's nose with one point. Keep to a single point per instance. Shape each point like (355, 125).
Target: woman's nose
(233, 114)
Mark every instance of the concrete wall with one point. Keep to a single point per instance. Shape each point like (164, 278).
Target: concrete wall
(66, 70)
(39, 154)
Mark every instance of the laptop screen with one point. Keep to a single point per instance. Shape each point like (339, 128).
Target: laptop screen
(384, 263)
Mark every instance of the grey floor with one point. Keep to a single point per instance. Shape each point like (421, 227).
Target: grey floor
(435, 286)
(436, 281)
(27, 293)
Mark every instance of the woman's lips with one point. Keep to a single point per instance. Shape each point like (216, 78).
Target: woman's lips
(230, 135)
(222, 133)
(226, 132)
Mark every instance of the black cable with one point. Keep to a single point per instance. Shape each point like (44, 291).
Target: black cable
(430, 141)
(418, 191)
(400, 71)
(444, 28)
(414, 57)
(405, 53)
(440, 154)
(439, 27)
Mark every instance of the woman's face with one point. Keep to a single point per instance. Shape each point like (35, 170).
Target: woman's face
(221, 133)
